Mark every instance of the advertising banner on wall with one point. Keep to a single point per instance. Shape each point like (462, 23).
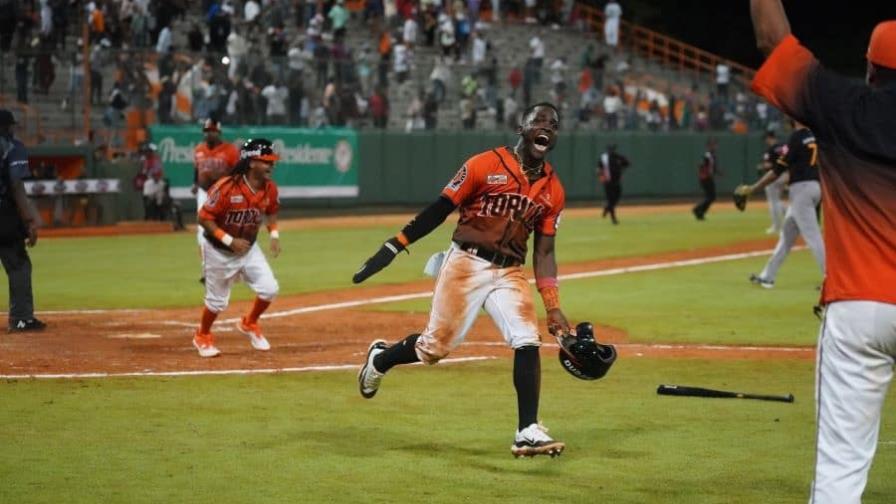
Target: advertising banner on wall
(314, 163)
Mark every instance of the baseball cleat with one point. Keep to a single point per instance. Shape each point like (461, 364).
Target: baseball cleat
(205, 345)
(253, 332)
(368, 377)
(758, 280)
(534, 440)
(29, 325)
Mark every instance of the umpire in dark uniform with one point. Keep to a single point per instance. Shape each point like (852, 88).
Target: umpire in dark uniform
(609, 171)
(17, 228)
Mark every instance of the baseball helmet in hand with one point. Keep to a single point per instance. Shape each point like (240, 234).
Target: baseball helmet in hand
(582, 356)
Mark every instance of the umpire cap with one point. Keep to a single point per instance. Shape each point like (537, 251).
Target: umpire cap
(7, 117)
(882, 46)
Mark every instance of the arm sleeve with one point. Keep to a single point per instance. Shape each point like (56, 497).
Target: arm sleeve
(428, 219)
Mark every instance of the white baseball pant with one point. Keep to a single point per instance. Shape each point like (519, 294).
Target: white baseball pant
(856, 352)
(222, 269)
(467, 283)
(201, 198)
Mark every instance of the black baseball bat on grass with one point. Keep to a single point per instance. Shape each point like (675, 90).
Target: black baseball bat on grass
(682, 390)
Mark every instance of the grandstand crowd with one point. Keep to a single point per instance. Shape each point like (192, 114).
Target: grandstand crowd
(400, 64)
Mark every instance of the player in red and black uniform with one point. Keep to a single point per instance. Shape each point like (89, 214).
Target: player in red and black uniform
(855, 127)
(609, 172)
(231, 218)
(504, 196)
(706, 174)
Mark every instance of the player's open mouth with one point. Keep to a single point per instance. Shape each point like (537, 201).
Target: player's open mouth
(541, 143)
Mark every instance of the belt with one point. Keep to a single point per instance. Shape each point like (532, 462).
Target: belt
(499, 260)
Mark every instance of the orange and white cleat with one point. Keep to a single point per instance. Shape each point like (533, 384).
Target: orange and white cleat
(205, 344)
(253, 332)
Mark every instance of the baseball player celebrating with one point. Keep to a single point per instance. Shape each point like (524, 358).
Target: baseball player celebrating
(799, 158)
(855, 127)
(774, 189)
(504, 195)
(212, 160)
(231, 218)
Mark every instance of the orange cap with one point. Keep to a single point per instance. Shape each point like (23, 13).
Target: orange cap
(882, 47)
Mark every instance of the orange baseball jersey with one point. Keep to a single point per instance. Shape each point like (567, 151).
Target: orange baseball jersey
(214, 163)
(499, 208)
(237, 209)
(856, 145)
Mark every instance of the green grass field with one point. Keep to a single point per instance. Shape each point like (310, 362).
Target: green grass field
(431, 435)
(439, 435)
(162, 270)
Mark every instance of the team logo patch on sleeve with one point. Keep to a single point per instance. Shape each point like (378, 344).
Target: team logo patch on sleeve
(496, 179)
(458, 179)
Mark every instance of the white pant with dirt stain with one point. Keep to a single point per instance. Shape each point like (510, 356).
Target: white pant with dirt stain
(222, 269)
(467, 283)
(856, 351)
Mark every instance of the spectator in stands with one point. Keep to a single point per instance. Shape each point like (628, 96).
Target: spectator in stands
(166, 100)
(612, 106)
(237, 49)
(140, 26)
(23, 63)
(219, 29)
(430, 111)
(558, 81)
(276, 95)
(251, 15)
(440, 78)
(536, 58)
(414, 112)
(97, 22)
(9, 15)
(385, 51)
(115, 107)
(496, 11)
(717, 120)
(98, 61)
(163, 44)
(723, 78)
(467, 111)
(153, 197)
(447, 39)
(401, 60)
(75, 76)
(277, 49)
(410, 29)
(462, 29)
(479, 47)
(612, 15)
(195, 38)
(514, 79)
(379, 108)
(338, 18)
(430, 24)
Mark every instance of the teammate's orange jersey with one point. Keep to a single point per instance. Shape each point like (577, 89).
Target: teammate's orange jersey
(857, 159)
(237, 209)
(499, 208)
(214, 163)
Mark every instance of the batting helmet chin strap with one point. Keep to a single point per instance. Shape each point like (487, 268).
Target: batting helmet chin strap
(582, 356)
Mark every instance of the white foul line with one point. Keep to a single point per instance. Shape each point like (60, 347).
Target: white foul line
(335, 367)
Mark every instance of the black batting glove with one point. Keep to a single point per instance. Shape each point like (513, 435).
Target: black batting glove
(378, 261)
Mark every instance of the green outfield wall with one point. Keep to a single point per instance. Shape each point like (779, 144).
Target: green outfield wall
(396, 169)
(399, 168)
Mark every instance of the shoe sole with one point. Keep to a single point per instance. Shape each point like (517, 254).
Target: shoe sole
(757, 281)
(248, 334)
(217, 352)
(553, 449)
(373, 346)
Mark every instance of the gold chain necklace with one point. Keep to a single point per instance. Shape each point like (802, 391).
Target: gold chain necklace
(530, 172)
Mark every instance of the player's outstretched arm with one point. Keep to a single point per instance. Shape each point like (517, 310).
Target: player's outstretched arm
(421, 225)
(770, 24)
(545, 264)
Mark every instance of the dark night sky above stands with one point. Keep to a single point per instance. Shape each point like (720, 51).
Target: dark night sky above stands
(837, 32)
